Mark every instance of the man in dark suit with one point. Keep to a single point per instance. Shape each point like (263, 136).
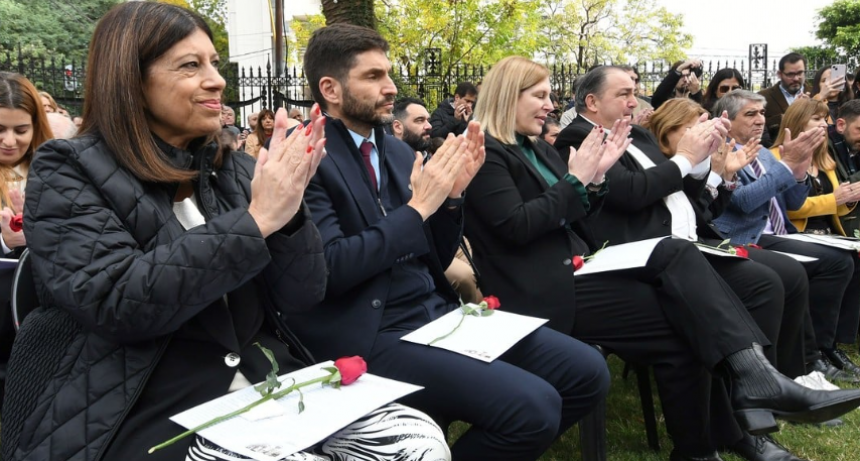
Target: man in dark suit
(650, 196)
(390, 224)
(792, 76)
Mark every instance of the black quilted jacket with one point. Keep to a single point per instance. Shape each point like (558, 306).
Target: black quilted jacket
(117, 275)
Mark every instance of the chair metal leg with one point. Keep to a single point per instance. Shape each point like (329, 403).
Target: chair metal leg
(592, 434)
(643, 381)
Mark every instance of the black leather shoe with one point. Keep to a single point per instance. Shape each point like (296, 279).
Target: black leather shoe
(759, 393)
(831, 372)
(840, 360)
(675, 456)
(762, 448)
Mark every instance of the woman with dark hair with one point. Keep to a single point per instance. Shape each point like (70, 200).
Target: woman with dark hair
(723, 81)
(261, 134)
(161, 260)
(834, 93)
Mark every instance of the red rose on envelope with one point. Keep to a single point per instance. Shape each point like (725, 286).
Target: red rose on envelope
(351, 368)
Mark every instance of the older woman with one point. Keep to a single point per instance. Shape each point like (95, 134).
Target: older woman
(158, 260)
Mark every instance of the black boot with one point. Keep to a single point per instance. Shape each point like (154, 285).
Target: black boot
(759, 393)
(830, 372)
(762, 448)
(840, 360)
(675, 456)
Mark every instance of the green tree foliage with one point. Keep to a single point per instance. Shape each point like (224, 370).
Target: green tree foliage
(58, 29)
(820, 55)
(61, 29)
(467, 31)
(840, 26)
(586, 32)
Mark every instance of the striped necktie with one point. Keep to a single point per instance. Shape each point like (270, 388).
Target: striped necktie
(774, 213)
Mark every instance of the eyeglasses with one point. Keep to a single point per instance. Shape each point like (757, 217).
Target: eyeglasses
(727, 88)
(799, 73)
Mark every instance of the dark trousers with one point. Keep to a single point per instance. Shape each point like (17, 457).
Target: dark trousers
(834, 289)
(680, 317)
(517, 405)
(768, 284)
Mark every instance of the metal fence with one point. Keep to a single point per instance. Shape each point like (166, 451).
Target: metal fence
(252, 89)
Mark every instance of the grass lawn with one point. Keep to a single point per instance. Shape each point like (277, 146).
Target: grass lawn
(626, 432)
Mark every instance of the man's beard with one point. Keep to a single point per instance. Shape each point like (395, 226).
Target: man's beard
(415, 140)
(365, 113)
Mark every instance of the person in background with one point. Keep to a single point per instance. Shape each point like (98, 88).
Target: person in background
(297, 115)
(265, 127)
(550, 130)
(23, 127)
(682, 81)
(62, 126)
(48, 103)
(791, 86)
(453, 114)
(833, 92)
(723, 81)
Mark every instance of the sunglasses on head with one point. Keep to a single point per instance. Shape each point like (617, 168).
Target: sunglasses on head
(727, 88)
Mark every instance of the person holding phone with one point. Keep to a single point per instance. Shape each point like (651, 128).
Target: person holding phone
(829, 85)
(453, 114)
(682, 81)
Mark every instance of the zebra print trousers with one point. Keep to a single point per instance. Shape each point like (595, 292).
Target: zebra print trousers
(391, 433)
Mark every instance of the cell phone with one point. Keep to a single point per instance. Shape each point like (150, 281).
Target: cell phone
(837, 71)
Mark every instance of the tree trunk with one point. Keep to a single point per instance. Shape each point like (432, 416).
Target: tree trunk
(358, 12)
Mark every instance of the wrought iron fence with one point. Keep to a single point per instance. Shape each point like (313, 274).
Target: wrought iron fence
(252, 89)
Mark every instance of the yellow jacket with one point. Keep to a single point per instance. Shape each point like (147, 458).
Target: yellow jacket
(819, 205)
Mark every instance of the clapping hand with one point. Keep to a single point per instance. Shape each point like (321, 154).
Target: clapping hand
(284, 170)
(797, 153)
(847, 193)
(432, 182)
(615, 146)
(701, 140)
(727, 161)
(585, 161)
(474, 157)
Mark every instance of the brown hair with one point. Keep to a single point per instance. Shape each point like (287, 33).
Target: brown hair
(125, 44)
(799, 113)
(259, 131)
(332, 50)
(16, 92)
(500, 93)
(671, 115)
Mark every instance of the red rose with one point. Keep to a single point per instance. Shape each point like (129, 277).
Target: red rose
(350, 368)
(492, 302)
(753, 245)
(742, 252)
(578, 262)
(17, 223)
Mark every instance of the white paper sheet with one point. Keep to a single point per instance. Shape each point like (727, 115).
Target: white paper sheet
(327, 410)
(620, 257)
(717, 252)
(826, 240)
(801, 258)
(482, 338)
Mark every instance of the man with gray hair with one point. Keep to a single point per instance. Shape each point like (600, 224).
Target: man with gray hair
(756, 214)
(61, 126)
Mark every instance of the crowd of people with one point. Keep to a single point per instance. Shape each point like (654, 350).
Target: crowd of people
(166, 241)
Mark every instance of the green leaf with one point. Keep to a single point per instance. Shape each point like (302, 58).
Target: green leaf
(487, 313)
(269, 355)
(301, 401)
